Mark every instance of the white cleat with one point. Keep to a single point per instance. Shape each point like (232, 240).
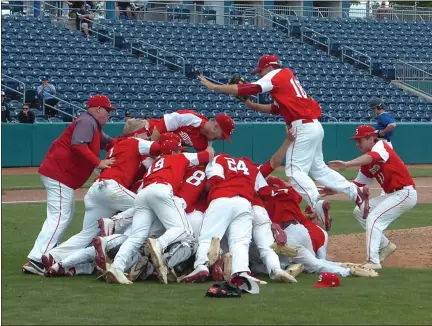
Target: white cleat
(115, 275)
(371, 265)
(214, 251)
(227, 266)
(295, 269)
(361, 271)
(284, 276)
(106, 226)
(387, 251)
(157, 260)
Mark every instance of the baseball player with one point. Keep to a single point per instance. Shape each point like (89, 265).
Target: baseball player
(156, 201)
(232, 183)
(68, 164)
(195, 130)
(381, 162)
(301, 113)
(110, 192)
(385, 123)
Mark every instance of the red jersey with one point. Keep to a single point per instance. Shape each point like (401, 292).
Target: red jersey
(193, 186)
(128, 154)
(201, 204)
(170, 169)
(290, 99)
(387, 168)
(187, 125)
(316, 234)
(265, 169)
(233, 177)
(283, 205)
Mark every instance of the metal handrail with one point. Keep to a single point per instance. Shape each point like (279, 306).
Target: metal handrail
(83, 20)
(52, 107)
(166, 51)
(287, 28)
(303, 36)
(343, 55)
(407, 72)
(19, 81)
(63, 101)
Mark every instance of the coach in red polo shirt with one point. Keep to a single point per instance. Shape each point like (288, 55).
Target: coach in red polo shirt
(70, 161)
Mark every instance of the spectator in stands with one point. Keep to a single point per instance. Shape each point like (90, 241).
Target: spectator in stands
(383, 12)
(26, 116)
(385, 122)
(127, 116)
(74, 6)
(122, 7)
(139, 7)
(5, 114)
(84, 13)
(46, 92)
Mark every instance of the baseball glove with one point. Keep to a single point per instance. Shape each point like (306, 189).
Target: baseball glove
(238, 79)
(224, 290)
(284, 250)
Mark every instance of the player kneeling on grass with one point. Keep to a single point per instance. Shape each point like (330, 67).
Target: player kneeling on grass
(156, 201)
(381, 162)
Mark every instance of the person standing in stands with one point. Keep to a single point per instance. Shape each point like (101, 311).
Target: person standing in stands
(385, 123)
(68, 164)
(47, 92)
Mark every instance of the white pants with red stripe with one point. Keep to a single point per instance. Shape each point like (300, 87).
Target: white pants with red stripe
(232, 216)
(305, 156)
(384, 210)
(155, 202)
(196, 219)
(103, 199)
(60, 209)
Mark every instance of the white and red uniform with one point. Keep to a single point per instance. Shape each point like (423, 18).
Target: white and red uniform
(233, 185)
(157, 201)
(305, 154)
(110, 192)
(400, 196)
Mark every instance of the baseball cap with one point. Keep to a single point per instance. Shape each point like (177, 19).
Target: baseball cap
(171, 145)
(169, 136)
(364, 131)
(226, 124)
(327, 280)
(127, 114)
(267, 61)
(375, 101)
(44, 78)
(99, 100)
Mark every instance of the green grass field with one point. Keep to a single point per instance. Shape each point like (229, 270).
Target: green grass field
(397, 296)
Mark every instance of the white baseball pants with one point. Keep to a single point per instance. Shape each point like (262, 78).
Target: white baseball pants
(196, 219)
(305, 156)
(60, 209)
(154, 203)
(298, 237)
(383, 211)
(233, 216)
(263, 238)
(103, 199)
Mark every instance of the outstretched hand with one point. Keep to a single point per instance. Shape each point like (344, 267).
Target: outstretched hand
(206, 82)
(325, 191)
(337, 165)
(291, 134)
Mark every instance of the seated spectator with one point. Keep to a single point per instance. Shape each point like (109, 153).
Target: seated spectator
(122, 7)
(84, 13)
(26, 116)
(5, 114)
(127, 116)
(46, 92)
(74, 6)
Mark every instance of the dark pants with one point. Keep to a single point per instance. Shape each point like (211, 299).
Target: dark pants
(49, 112)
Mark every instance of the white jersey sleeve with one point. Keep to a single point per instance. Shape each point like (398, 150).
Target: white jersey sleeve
(144, 146)
(214, 169)
(380, 149)
(260, 182)
(175, 120)
(147, 162)
(266, 81)
(192, 158)
(362, 179)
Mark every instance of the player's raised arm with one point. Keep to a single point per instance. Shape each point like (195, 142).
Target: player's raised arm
(201, 157)
(176, 120)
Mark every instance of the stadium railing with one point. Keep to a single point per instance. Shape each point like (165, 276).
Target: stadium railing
(361, 59)
(20, 91)
(308, 34)
(417, 75)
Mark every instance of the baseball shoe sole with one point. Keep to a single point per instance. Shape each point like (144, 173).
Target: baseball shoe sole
(138, 268)
(227, 263)
(295, 269)
(199, 275)
(48, 260)
(387, 251)
(278, 234)
(33, 267)
(284, 276)
(115, 275)
(361, 271)
(106, 226)
(349, 265)
(157, 260)
(284, 250)
(217, 270)
(55, 270)
(371, 265)
(172, 276)
(362, 200)
(322, 208)
(214, 251)
(100, 245)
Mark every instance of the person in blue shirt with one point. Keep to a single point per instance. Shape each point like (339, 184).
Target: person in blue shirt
(47, 93)
(385, 123)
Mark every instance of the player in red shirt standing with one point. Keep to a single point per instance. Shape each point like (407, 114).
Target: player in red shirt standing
(301, 113)
(381, 162)
(156, 201)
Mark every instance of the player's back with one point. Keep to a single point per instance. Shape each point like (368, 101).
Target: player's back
(193, 186)
(283, 205)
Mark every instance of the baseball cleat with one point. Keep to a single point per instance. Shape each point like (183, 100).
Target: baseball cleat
(278, 234)
(322, 208)
(48, 260)
(284, 250)
(349, 265)
(214, 251)
(227, 263)
(217, 270)
(115, 275)
(138, 268)
(284, 276)
(295, 269)
(361, 271)
(148, 271)
(55, 270)
(33, 267)
(100, 245)
(362, 200)
(172, 276)
(371, 265)
(387, 251)
(106, 226)
(199, 275)
(156, 258)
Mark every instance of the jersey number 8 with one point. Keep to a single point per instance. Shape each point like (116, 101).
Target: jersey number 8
(197, 178)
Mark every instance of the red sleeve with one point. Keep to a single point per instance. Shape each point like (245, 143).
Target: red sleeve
(111, 144)
(161, 126)
(85, 153)
(275, 110)
(248, 89)
(266, 169)
(203, 157)
(213, 181)
(265, 192)
(154, 149)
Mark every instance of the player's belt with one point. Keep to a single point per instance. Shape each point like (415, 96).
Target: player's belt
(284, 225)
(296, 123)
(401, 188)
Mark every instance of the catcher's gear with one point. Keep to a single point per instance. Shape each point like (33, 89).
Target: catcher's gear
(238, 79)
(224, 290)
(284, 250)
(179, 252)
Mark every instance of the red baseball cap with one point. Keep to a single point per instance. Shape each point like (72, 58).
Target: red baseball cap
(364, 131)
(99, 100)
(226, 124)
(267, 61)
(171, 145)
(327, 280)
(169, 136)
